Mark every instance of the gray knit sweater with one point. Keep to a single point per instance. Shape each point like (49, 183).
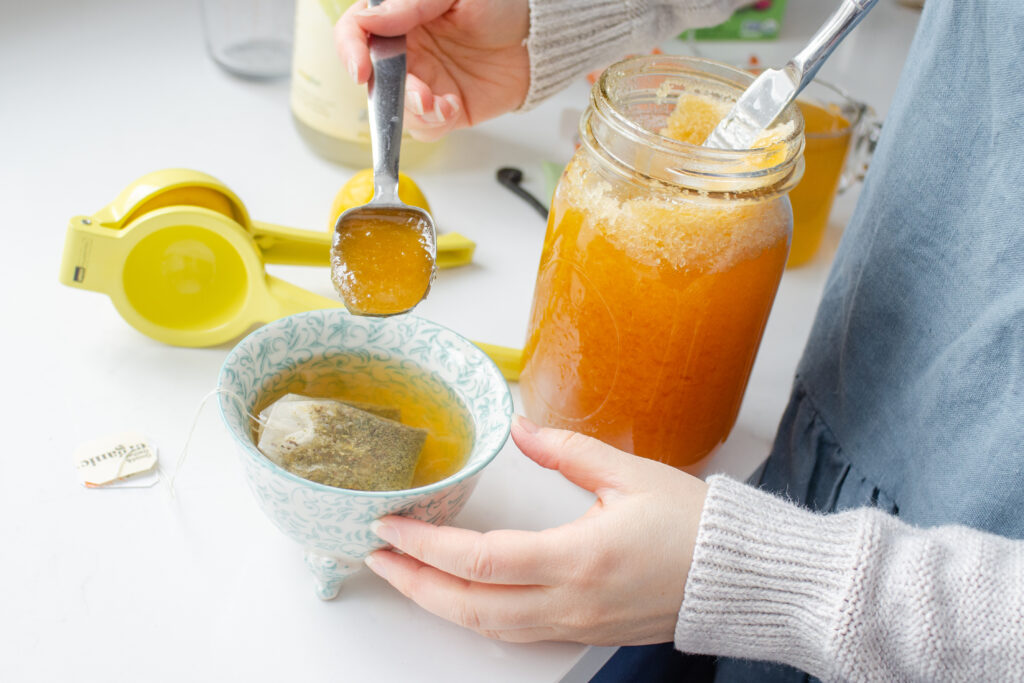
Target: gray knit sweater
(570, 37)
(855, 596)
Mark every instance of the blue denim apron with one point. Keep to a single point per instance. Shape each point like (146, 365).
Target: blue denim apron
(910, 392)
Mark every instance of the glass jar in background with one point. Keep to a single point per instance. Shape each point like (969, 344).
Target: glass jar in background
(328, 108)
(659, 268)
(832, 119)
(250, 38)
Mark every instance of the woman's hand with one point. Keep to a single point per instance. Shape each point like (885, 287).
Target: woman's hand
(615, 576)
(467, 59)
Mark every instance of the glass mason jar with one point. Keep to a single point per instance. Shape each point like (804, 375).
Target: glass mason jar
(659, 267)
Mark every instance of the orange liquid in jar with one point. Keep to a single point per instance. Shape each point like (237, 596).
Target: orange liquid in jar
(648, 312)
(826, 142)
(382, 265)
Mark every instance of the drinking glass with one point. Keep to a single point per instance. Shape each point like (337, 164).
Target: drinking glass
(250, 38)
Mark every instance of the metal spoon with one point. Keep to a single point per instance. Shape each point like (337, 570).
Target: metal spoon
(772, 91)
(386, 90)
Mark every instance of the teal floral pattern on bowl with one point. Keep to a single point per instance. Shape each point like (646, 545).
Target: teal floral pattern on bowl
(332, 524)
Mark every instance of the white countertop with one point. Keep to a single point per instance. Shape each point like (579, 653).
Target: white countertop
(119, 585)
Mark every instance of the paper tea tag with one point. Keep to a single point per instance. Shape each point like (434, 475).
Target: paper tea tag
(112, 458)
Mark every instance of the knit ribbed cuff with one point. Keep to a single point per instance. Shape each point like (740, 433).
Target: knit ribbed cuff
(768, 579)
(569, 37)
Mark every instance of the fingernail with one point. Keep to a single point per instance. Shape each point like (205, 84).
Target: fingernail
(376, 566)
(415, 102)
(385, 532)
(454, 102)
(525, 424)
(352, 70)
(371, 11)
(434, 115)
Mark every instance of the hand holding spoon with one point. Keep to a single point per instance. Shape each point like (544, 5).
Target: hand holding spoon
(383, 259)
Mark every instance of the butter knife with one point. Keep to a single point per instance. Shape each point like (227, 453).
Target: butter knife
(772, 91)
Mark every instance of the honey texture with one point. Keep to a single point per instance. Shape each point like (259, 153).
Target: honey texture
(382, 265)
(649, 307)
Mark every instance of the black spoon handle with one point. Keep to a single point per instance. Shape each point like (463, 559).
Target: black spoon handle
(510, 178)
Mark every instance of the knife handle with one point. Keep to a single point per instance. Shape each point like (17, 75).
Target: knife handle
(807, 62)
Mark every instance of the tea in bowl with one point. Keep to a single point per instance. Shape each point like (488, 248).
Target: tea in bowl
(438, 382)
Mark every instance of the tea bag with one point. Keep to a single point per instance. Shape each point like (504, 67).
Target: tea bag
(387, 412)
(333, 443)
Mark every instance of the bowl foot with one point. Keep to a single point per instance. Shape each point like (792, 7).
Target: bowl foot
(329, 572)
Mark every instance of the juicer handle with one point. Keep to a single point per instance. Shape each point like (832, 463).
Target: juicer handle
(454, 250)
(93, 257)
(295, 247)
(292, 246)
(508, 360)
(288, 299)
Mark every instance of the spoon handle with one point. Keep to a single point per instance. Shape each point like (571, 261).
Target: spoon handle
(386, 91)
(807, 62)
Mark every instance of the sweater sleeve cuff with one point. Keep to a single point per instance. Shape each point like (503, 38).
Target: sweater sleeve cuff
(769, 579)
(568, 37)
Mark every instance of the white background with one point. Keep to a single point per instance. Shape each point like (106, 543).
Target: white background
(118, 585)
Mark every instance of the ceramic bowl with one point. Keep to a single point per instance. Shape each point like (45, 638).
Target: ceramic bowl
(332, 524)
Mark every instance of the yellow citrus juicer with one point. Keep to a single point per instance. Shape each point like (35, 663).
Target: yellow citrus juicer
(183, 263)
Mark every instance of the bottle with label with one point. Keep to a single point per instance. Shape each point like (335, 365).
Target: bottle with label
(328, 108)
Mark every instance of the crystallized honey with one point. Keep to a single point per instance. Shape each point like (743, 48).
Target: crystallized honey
(382, 264)
(651, 298)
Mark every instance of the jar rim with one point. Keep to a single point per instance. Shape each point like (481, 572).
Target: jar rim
(606, 127)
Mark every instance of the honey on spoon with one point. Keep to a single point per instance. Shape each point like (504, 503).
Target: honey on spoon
(383, 258)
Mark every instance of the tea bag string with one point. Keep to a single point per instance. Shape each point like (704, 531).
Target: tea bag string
(120, 467)
(195, 421)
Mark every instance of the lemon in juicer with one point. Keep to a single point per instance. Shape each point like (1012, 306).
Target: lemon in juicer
(183, 263)
(186, 277)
